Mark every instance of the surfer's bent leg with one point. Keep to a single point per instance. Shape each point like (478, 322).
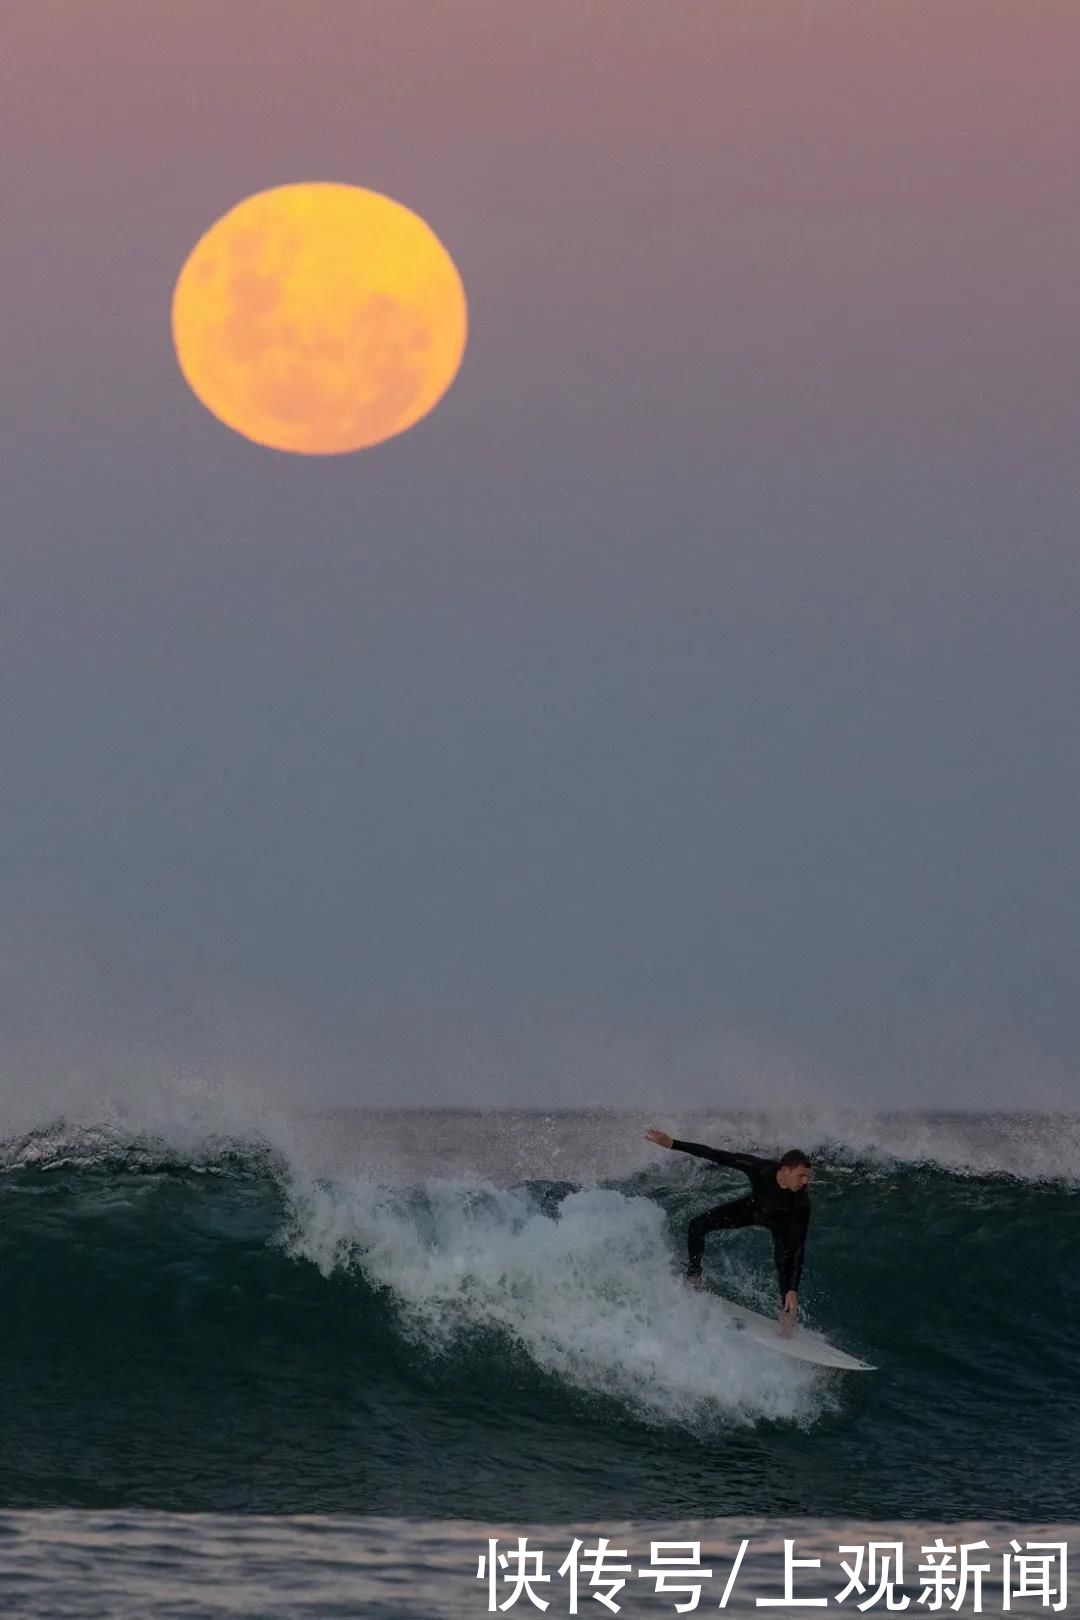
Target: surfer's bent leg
(738, 1213)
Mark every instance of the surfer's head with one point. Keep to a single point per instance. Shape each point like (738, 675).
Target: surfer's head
(794, 1171)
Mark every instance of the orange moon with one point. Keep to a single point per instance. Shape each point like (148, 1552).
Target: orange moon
(319, 318)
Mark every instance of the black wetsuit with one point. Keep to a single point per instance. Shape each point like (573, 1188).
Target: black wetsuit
(786, 1214)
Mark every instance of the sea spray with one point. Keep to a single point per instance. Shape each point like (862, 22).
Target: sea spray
(337, 1313)
(586, 1288)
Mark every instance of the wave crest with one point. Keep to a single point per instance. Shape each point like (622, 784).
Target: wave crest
(586, 1288)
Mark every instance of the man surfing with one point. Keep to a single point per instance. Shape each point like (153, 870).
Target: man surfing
(777, 1200)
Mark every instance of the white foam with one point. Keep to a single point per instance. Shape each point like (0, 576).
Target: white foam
(589, 1291)
(191, 1113)
(1030, 1147)
(84, 1116)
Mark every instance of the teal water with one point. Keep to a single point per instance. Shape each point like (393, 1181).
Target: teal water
(452, 1317)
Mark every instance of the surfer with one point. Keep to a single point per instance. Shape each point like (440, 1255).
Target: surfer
(777, 1199)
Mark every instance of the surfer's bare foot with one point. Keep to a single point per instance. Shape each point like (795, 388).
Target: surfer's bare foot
(789, 1313)
(694, 1279)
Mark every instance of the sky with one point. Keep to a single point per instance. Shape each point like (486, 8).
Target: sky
(684, 711)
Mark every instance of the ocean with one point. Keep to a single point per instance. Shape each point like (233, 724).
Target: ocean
(326, 1359)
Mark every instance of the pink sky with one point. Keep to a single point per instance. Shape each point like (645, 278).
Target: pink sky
(721, 622)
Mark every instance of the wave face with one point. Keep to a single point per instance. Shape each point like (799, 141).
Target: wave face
(481, 1317)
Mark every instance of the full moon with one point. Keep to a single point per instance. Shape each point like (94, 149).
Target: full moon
(319, 318)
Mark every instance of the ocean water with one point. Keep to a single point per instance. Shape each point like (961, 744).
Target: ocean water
(133, 1564)
(400, 1334)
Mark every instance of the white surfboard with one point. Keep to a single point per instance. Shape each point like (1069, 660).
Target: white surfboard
(803, 1344)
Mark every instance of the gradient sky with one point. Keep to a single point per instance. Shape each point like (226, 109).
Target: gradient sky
(687, 709)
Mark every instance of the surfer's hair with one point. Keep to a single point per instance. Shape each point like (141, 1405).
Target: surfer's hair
(793, 1158)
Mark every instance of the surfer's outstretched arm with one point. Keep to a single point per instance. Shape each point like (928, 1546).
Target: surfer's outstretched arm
(734, 1161)
(789, 1249)
(747, 1162)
